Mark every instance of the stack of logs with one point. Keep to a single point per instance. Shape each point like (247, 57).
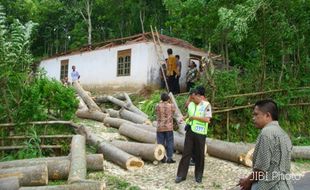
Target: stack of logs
(134, 124)
(34, 174)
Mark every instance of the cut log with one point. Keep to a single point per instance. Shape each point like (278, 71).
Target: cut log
(178, 116)
(128, 100)
(146, 151)
(178, 141)
(115, 122)
(74, 186)
(104, 98)
(94, 163)
(142, 133)
(111, 152)
(236, 152)
(86, 98)
(301, 152)
(146, 127)
(27, 176)
(88, 114)
(9, 183)
(131, 116)
(127, 106)
(77, 170)
(82, 105)
(113, 113)
(138, 134)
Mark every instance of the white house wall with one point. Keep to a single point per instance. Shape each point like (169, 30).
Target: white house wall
(99, 67)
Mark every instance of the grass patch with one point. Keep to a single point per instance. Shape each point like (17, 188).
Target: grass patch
(57, 182)
(302, 161)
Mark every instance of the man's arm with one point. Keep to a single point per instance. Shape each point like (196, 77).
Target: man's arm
(202, 119)
(246, 183)
(261, 162)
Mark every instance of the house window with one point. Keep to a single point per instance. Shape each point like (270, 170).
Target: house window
(64, 65)
(123, 62)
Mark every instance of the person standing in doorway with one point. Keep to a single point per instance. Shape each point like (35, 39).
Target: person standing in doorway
(162, 74)
(179, 69)
(172, 71)
(75, 76)
(191, 75)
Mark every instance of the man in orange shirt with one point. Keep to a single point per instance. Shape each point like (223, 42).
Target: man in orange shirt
(172, 71)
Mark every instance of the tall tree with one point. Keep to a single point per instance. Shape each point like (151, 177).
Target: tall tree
(85, 8)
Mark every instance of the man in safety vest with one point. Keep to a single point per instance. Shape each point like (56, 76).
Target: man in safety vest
(199, 116)
(201, 91)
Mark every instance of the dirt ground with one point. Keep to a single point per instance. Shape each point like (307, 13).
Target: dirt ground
(218, 174)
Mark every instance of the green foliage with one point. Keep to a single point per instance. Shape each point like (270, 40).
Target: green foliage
(32, 149)
(267, 43)
(25, 95)
(149, 105)
(226, 82)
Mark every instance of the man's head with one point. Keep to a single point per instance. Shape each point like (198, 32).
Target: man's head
(164, 97)
(169, 51)
(264, 112)
(195, 96)
(177, 56)
(73, 68)
(192, 64)
(201, 90)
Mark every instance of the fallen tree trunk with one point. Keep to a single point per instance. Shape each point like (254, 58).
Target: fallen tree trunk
(111, 152)
(150, 152)
(77, 170)
(178, 116)
(27, 176)
(88, 114)
(104, 98)
(131, 116)
(149, 128)
(115, 122)
(132, 107)
(86, 98)
(301, 152)
(58, 167)
(236, 152)
(82, 105)
(128, 100)
(113, 113)
(9, 183)
(128, 106)
(137, 133)
(143, 133)
(74, 186)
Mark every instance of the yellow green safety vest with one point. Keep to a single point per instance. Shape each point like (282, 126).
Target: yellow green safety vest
(198, 111)
(190, 112)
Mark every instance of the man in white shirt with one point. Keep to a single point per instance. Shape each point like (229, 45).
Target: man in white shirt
(75, 76)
